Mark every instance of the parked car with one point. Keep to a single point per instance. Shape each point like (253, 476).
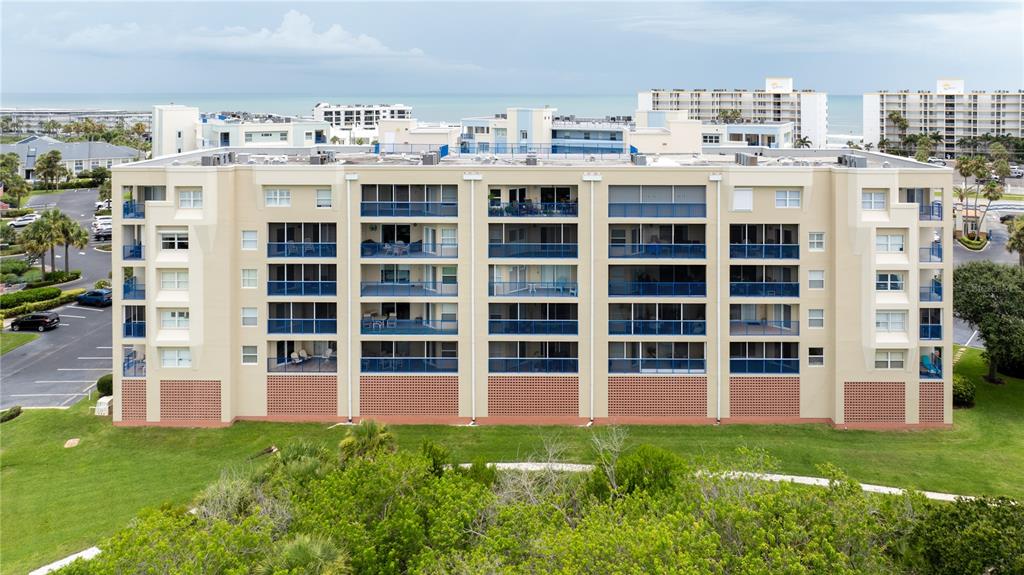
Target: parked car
(103, 205)
(103, 233)
(39, 321)
(96, 297)
(24, 220)
(1017, 172)
(937, 161)
(1007, 219)
(102, 220)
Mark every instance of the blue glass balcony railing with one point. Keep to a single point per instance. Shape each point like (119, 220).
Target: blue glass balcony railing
(657, 250)
(932, 292)
(132, 252)
(407, 289)
(533, 326)
(276, 325)
(413, 250)
(301, 288)
(764, 289)
(764, 327)
(656, 327)
(620, 288)
(533, 210)
(391, 326)
(133, 368)
(302, 250)
(533, 365)
(134, 290)
(654, 210)
(931, 331)
(534, 289)
(764, 251)
(932, 211)
(298, 364)
(409, 209)
(655, 365)
(132, 210)
(533, 250)
(134, 329)
(764, 365)
(409, 364)
(932, 253)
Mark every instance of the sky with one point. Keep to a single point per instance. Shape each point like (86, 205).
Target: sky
(600, 48)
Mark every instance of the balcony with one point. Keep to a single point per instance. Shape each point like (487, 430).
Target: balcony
(312, 288)
(764, 365)
(392, 326)
(134, 290)
(409, 364)
(533, 250)
(764, 289)
(765, 251)
(932, 253)
(657, 250)
(656, 327)
(134, 329)
(409, 209)
(132, 210)
(533, 326)
(931, 331)
(408, 289)
(764, 327)
(533, 210)
(655, 365)
(533, 289)
(307, 326)
(929, 368)
(302, 250)
(299, 364)
(404, 250)
(533, 365)
(133, 368)
(931, 293)
(656, 210)
(930, 212)
(132, 252)
(631, 288)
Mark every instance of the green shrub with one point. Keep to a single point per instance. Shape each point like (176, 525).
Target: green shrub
(18, 212)
(972, 244)
(103, 213)
(963, 391)
(438, 455)
(9, 414)
(57, 277)
(480, 472)
(105, 385)
(10, 278)
(64, 298)
(972, 536)
(12, 250)
(647, 468)
(101, 284)
(16, 267)
(28, 296)
(69, 185)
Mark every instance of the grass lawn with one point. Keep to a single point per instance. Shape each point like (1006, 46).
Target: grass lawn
(10, 340)
(58, 501)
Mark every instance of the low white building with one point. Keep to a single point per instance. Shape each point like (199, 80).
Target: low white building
(178, 129)
(76, 156)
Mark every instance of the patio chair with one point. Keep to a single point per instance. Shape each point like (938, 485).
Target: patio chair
(929, 368)
(295, 358)
(303, 355)
(328, 354)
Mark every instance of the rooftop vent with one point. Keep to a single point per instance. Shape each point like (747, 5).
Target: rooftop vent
(531, 159)
(221, 159)
(853, 161)
(430, 158)
(322, 157)
(638, 159)
(745, 159)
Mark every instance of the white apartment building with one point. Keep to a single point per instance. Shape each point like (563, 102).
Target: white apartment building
(950, 110)
(777, 102)
(178, 129)
(33, 120)
(350, 116)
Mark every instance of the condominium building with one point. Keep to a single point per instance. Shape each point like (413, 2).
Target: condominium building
(349, 116)
(178, 129)
(786, 286)
(777, 102)
(77, 157)
(36, 120)
(950, 111)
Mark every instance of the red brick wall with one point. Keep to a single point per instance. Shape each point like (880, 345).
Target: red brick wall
(932, 402)
(764, 397)
(409, 395)
(302, 395)
(874, 402)
(644, 396)
(133, 400)
(190, 399)
(513, 395)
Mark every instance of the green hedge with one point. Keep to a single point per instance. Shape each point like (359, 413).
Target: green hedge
(12, 250)
(16, 267)
(28, 296)
(9, 414)
(105, 385)
(972, 244)
(963, 391)
(103, 213)
(18, 212)
(70, 185)
(64, 298)
(57, 277)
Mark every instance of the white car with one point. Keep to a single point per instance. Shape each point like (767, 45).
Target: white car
(24, 220)
(1017, 172)
(103, 205)
(937, 161)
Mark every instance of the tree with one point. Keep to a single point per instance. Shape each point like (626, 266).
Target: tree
(852, 145)
(35, 241)
(730, 116)
(50, 227)
(71, 233)
(1016, 241)
(924, 149)
(869, 146)
(901, 124)
(8, 236)
(801, 142)
(50, 168)
(990, 297)
(1000, 164)
(105, 188)
(366, 438)
(335, 140)
(14, 185)
(992, 192)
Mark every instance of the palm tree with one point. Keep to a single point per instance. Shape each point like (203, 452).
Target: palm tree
(884, 144)
(335, 140)
(992, 192)
(801, 142)
(34, 240)
(50, 167)
(305, 554)
(71, 233)
(365, 439)
(869, 146)
(51, 228)
(1016, 241)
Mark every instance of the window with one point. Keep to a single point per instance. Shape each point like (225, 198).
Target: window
(889, 243)
(816, 241)
(742, 199)
(816, 356)
(889, 359)
(816, 279)
(249, 278)
(174, 240)
(891, 321)
(308, 136)
(175, 357)
(787, 198)
(191, 199)
(179, 134)
(873, 201)
(712, 138)
(248, 136)
(815, 318)
(174, 279)
(248, 239)
(323, 198)
(888, 281)
(282, 136)
(249, 316)
(249, 355)
(276, 198)
(174, 319)
(524, 135)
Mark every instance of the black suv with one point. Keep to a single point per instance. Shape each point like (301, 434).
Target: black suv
(41, 321)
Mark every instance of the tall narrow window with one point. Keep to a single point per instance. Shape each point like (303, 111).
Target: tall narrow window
(248, 239)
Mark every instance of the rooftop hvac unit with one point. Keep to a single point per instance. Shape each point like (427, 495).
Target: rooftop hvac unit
(430, 158)
(221, 159)
(638, 159)
(853, 161)
(531, 160)
(744, 159)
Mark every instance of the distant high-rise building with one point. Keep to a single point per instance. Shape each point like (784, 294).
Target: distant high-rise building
(350, 116)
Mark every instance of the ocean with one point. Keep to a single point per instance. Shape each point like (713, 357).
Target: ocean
(844, 111)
